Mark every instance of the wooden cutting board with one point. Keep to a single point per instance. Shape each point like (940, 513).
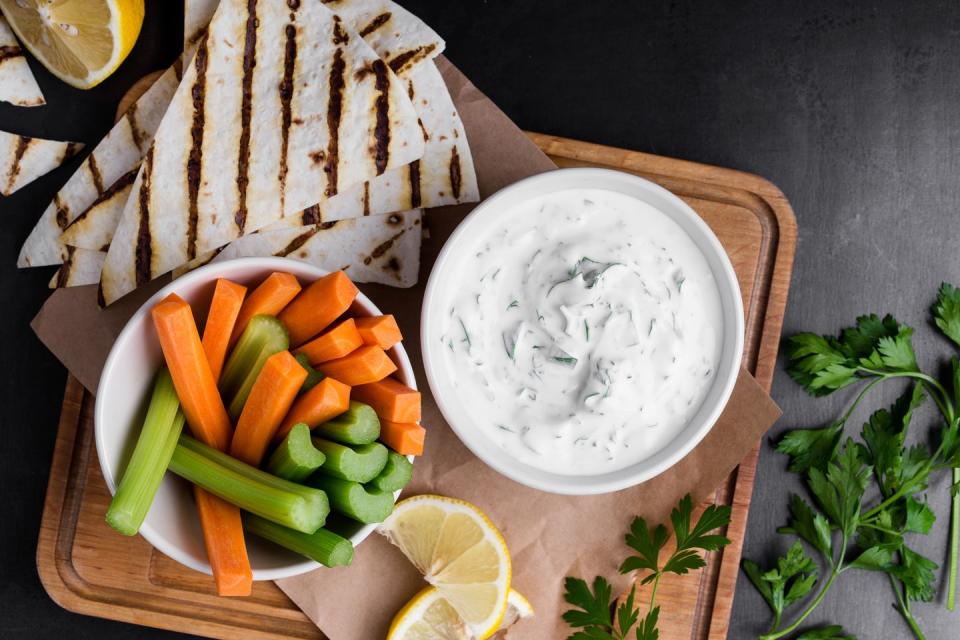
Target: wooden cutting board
(87, 568)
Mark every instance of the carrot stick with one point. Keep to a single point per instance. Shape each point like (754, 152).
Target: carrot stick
(270, 398)
(224, 308)
(268, 299)
(363, 366)
(207, 418)
(318, 306)
(392, 400)
(327, 400)
(335, 343)
(381, 331)
(191, 373)
(406, 438)
(226, 548)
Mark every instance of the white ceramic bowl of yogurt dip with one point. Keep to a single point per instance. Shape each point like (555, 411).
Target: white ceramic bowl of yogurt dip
(582, 330)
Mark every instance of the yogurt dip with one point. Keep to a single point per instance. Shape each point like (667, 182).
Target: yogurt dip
(585, 332)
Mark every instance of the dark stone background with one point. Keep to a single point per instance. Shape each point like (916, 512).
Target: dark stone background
(850, 107)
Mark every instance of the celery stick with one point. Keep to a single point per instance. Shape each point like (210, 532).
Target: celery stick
(263, 337)
(296, 457)
(361, 463)
(291, 505)
(323, 545)
(354, 500)
(313, 376)
(395, 475)
(359, 425)
(155, 444)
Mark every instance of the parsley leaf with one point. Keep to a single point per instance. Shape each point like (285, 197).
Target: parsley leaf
(594, 607)
(809, 525)
(831, 632)
(840, 490)
(647, 630)
(811, 447)
(916, 572)
(791, 580)
(946, 312)
(646, 544)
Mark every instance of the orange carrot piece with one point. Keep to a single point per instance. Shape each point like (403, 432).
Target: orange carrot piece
(392, 400)
(342, 340)
(381, 331)
(324, 402)
(318, 306)
(224, 308)
(363, 366)
(226, 548)
(406, 438)
(191, 373)
(268, 299)
(272, 394)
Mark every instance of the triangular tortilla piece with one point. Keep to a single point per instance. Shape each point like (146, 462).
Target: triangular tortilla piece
(17, 84)
(381, 249)
(118, 153)
(445, 174)
(23, 159)
(80, 267)
(237, 149)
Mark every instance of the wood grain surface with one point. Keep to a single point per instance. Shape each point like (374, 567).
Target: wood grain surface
(88, 568)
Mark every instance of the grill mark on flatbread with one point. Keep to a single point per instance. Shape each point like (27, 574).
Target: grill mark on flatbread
(135, 132)
(9, 52)
(22, 143)
(381, 132)
(366, 198)
(375, 24)
(286, 96)
(423, 130)
(144, 250)
(246, 108)
(456, 175)
(70, 149)
(392, 265)
(340, 36)
(63, 212)
(414, 171)
(178, 64)
(410, 57)
(383, 247)
(310, 215)
(194, 172)
(297, 242)
(95, 175)
(63, 275)
(122, 183)
(334, 113)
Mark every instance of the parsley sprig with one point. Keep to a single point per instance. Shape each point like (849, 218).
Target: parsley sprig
(597, 618)
(846, 533)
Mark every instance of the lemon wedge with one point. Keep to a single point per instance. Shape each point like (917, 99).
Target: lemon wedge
(80, 41)
(465, 559)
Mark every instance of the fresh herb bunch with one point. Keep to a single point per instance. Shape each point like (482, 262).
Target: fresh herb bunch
(595, 616)
(841, 528)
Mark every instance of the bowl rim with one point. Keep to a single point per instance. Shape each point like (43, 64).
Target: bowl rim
(210, 272)
(730, 359)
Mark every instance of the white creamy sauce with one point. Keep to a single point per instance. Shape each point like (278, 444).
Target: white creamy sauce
(585, 333)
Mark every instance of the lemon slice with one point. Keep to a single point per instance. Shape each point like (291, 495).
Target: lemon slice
(80, 41)
(462, 554)
(430, 616)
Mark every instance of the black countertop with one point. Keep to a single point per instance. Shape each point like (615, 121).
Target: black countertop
(851, 108)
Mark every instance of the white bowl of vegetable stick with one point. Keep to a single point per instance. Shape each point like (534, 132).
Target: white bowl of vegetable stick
(582, 330)
(171, 524)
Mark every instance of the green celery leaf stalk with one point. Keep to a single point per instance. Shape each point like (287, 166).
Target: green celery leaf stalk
(286, 503)
(151, 456)
(395, 475)
(296, 458)
(323, 545)
(360, 463)
(359, 425)
(354, 500)
(313, 376)
(263, 337)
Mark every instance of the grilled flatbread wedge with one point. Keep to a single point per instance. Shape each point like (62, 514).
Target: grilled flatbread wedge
(23, 159)
(381, 249)
(116, 155)
(80, 267)
(445, 174)
(17, 85)
(230, 158)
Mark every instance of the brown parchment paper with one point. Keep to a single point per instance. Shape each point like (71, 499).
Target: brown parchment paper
(549, 536)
